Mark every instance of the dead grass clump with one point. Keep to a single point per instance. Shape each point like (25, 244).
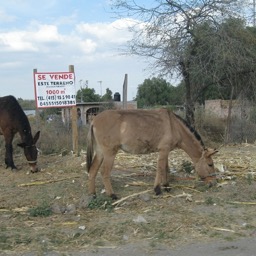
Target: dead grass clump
(56, 137)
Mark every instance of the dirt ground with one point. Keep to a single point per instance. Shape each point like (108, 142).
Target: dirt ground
(50, 212)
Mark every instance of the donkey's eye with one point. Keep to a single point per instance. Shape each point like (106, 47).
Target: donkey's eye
(210, 165)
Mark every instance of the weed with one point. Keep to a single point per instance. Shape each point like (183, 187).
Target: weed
(229, 238)
(4, 242)
(209, 201)
(153, 244)
(3, 239)
(43, 210)
(187, 166)
(161, 235)
(22, 239)
(249, 178)
(99, 243)
(101, 202)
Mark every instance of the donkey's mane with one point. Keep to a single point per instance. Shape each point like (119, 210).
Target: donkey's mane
(191, 129)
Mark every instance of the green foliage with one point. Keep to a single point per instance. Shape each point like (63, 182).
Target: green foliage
(87, 95)
(187, 166)
(107, 96)
(27, 104)
(157, 91)
(209, 201)
(253, 115)
(45, 113)
(101, 202)
(43, 210)
(222, 58)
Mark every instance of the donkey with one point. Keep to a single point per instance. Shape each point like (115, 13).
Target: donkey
(142, 132)
(13, 120)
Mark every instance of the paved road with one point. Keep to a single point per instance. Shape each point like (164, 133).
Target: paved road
(242, 247)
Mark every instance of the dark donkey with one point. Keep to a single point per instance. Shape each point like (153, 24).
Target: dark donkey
(13, 120)
(142, 132)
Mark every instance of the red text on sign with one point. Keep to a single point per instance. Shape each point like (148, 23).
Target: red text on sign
(41, 77)
(61, 76)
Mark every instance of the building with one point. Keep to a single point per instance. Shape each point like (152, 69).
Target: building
(87, 110)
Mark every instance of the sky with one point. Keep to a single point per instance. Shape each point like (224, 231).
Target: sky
(50, 35)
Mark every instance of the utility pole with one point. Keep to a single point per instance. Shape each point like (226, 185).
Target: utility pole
(100, 82)
(81, 89)
(74, 121)
(125, 84)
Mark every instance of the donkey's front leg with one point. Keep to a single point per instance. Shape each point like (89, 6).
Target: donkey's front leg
(9, 156)
(161, 173)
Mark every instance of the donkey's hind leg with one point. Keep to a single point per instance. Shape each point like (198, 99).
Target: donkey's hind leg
(166, 178)
(96, 163)
(161, 173)
(105, 172)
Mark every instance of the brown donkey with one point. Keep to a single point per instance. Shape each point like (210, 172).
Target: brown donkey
(13, 120)
(142, 132)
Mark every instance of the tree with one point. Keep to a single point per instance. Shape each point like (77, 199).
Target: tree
(107, 96)
(87, 95)
(224, 60)
(166, 34)
(157, 91)
(153, 92)
(27, 104)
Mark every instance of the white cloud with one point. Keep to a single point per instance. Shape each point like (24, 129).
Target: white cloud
(115, 32)
(5, 18)
(10, 65)
(87, 37)
(88, 46)
(46, 33)
(91, 47)
(15, 41)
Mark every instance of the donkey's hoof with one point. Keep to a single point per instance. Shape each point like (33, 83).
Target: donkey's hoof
(113, 196)
(35, 170)
(167, 188)
(158, 190)
(13, 167)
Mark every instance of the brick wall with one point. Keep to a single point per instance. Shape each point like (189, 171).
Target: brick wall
(220, 108)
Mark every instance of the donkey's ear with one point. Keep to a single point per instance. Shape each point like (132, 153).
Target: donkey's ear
(22, 145)
(36, 137)
(210, 152)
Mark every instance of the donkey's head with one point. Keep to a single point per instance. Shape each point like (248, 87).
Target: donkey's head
(205, 167)
(30, 151)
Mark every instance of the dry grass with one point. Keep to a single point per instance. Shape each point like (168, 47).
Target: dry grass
(190, 212)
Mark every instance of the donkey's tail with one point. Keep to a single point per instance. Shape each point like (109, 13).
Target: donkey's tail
(90, 148)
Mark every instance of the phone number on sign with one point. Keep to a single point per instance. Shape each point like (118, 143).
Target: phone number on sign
(57, 103)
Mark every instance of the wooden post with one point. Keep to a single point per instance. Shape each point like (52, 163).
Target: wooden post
(74, 122)
(125, 91)
(37, 112)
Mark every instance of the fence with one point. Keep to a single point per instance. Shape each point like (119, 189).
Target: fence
(227, 123)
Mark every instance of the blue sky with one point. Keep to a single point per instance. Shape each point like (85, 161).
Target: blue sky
(50, 35)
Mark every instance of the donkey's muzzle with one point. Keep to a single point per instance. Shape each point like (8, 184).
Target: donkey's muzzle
(33, 166)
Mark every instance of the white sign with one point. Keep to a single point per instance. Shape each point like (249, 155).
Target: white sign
(55, 89)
